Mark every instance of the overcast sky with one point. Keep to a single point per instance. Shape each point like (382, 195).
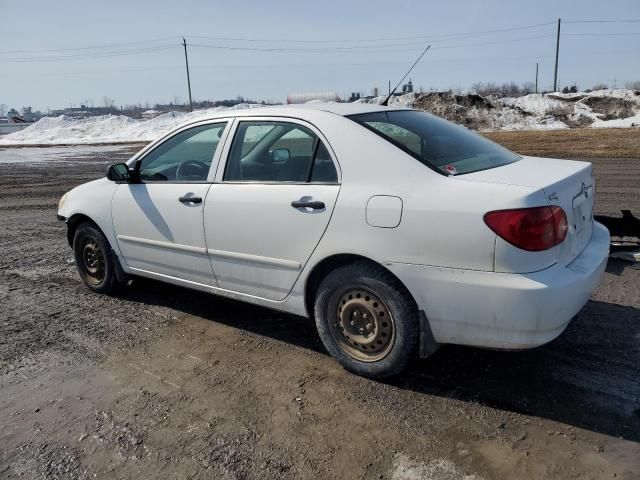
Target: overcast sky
(130, 50)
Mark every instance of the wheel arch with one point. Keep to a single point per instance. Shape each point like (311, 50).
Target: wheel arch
(78, 219)
(326, 265)
(428, 344)
(74, 221)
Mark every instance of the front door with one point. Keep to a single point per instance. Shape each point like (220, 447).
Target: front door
(270, 207)
(158, 220)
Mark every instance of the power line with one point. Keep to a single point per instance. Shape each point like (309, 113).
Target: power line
(382, 61)
(367, 49)
(445, 36)
(388, 48)
(603, 21)
(500, 42)
(87, 56)
(380, 39)
(94, 47)
(603, 34)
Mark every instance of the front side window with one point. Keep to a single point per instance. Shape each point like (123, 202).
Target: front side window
(185, 157)
(439, 144)
(266, 151)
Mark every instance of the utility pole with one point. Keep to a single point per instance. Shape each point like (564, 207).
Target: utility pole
(186, 61)
(555, 73)
(536, 77)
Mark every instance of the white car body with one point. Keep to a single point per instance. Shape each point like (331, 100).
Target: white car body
(245, 241)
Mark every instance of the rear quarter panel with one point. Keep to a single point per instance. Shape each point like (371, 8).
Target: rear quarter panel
(442, 217)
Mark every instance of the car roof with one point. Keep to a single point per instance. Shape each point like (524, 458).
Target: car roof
(300, 110)
(344, 108)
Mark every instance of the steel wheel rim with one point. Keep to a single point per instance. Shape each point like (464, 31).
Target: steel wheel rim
(363, 326)
(92, 261)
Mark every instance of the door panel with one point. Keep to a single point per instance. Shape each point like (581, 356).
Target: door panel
(158, 220)
(159, 233)
(258, 242)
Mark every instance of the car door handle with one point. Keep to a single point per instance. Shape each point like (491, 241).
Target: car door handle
(185, 199)
(307, 204)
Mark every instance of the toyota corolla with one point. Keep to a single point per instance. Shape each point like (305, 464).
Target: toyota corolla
(396, 231)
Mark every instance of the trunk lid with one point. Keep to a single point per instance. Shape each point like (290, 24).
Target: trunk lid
(567, 183)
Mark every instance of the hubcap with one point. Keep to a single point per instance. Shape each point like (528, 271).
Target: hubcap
(363, 327)
(92, 261)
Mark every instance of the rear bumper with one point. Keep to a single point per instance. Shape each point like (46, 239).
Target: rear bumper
(506, 310)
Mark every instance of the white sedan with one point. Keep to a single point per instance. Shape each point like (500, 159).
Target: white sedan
(395, 230)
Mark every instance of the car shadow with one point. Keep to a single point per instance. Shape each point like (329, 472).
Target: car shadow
(588, 378)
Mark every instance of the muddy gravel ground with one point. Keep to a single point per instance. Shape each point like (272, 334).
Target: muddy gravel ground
(162, 382)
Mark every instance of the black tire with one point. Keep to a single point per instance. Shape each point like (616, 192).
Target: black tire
(360, 292)
(94, 258)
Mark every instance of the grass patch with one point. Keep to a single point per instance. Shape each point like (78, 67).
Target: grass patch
(572, 143)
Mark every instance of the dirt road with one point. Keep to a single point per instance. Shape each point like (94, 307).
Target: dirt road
(163, 382)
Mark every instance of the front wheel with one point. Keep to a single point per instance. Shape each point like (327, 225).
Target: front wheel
(95, 261)
(367, 320)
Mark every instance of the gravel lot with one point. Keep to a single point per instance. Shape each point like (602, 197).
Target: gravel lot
(163, 382)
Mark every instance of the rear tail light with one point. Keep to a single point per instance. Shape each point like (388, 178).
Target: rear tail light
(533, 229)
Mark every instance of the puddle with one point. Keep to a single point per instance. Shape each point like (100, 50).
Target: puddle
(62, 155)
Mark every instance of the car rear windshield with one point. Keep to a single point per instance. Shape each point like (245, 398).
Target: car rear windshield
(439, 144)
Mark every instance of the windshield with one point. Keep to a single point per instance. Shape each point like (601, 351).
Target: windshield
(439, 144)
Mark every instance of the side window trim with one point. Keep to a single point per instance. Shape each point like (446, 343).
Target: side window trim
(312, 164)
(137, 160)
(230, 135)
(221, 152)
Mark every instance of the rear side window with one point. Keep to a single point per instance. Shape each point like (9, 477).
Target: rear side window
(323, 169)
(439, 144)
(265, 151)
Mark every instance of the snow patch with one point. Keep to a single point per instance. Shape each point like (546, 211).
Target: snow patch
(405, 468)
(105, 129)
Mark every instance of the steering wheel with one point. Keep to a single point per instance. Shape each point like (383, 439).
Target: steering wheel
(192, 170)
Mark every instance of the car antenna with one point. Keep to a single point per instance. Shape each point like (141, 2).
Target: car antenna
(386, 100)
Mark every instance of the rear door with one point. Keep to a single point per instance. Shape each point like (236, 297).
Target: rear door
(158, 220)
(270, 205)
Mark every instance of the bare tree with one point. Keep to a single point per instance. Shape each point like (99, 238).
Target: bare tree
(108, 102)
(478, 88)
(634, 85)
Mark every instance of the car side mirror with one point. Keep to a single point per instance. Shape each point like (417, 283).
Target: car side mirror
(118, 172)
(280, 154)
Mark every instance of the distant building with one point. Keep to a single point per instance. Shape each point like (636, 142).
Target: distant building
(407, 87)
(149, 114)
(309, 97)
(14, 116)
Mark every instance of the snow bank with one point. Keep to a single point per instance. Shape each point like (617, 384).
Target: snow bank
(104, 129)
(598, 109)
(602, 108)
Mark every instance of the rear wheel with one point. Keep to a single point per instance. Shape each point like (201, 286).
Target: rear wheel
(367, 320)
(95, 261)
